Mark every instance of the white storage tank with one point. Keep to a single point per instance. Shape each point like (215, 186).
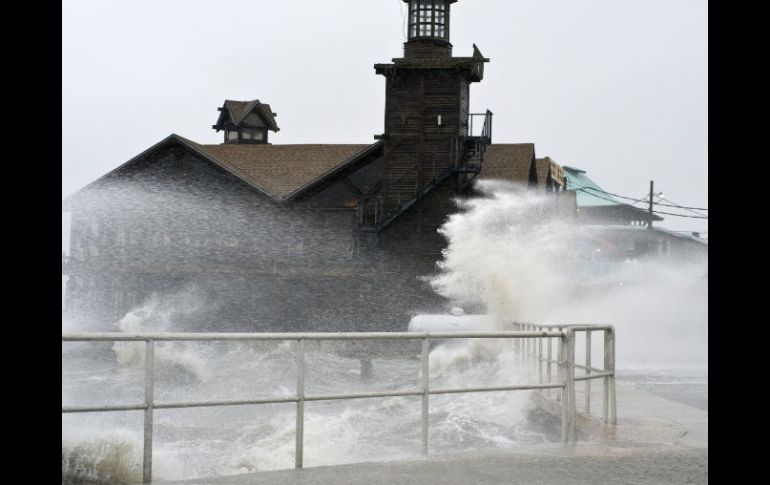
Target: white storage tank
(456, 321)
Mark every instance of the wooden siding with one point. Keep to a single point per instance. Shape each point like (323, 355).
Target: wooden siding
(427, 49)
(465, 104)
(176, 221)
(417, 148)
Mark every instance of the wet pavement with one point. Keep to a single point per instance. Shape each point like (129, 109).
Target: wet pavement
(657, 441)
(585, 465)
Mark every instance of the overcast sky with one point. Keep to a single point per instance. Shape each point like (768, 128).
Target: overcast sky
(618, 88)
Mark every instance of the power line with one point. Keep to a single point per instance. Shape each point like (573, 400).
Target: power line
(680, 215)
(582, 189)
(639, 200)
(673, 204)
(685, 208)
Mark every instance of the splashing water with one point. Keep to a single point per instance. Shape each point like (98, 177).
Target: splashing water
(510, 256)
(239, 439)
(171, 358)
(502, 256)
(507, 256)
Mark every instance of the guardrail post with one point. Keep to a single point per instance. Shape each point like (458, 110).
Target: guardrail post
(540, 360)
(549, 355)
(300, 423)
(562, 395)
(424, 419)
(611, 414)
(149, 377)
(528, 343)
(588, 371)
(568, 411)
(560, 363)
(531, 345)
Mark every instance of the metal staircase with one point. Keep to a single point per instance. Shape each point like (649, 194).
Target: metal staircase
(475, 146)
(466, 159)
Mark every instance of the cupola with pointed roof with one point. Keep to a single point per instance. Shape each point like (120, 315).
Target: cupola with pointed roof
(245, 122)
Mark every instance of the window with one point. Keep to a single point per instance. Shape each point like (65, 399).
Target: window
(232, 135)
(253, 134)
(428, 18)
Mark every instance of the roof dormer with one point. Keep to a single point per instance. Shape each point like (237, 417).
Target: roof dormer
(246, 121)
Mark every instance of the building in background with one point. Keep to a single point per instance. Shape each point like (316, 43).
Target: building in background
(595, 206)
(298, 237)
(613, 231)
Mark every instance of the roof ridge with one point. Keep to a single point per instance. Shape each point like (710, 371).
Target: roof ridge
(510, 144)
(201, 149)
(247, 109)
(279, 175)
(287, 144)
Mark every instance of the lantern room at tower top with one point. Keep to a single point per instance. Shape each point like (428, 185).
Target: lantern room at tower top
(429, 21)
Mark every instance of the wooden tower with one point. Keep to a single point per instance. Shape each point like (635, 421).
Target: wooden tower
(429, 134)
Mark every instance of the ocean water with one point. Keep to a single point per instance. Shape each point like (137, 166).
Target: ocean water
(501, 260)
(229, 440)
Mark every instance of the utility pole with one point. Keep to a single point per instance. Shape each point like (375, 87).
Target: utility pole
(649, 214)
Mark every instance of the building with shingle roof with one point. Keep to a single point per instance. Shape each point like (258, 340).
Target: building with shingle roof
(596, 206)
(550, 175)
(512, 162)
(297, 236)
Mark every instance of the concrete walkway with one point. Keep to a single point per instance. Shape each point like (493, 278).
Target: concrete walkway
(588, 465)
(657, 441)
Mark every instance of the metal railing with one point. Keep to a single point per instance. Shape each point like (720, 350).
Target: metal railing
(532, 353)
(486, 128)
(524, 342)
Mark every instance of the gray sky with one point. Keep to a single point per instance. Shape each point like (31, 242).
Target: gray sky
(616, 87)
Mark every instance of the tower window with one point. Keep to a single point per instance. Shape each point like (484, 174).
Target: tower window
(428, 19)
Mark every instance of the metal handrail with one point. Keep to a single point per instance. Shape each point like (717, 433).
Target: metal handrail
(566, 383)
(607, 374)
(486, 129)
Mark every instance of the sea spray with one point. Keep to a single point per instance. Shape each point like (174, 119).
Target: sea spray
(510, 255)
(158, 315)
(503, 255)
(506, 256)
(100, 458)
(100, 463)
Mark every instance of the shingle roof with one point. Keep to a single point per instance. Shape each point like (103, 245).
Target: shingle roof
(269, 118)
(238, 110)
(512, 162)
(281, 170)
(543, 167)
